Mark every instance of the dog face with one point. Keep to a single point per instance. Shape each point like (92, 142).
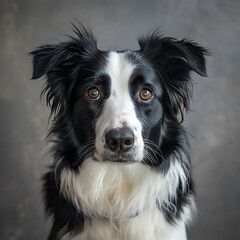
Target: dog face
(118, 106)
(121, 99)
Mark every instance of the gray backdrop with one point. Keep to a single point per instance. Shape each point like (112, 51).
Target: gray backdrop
(214, 123)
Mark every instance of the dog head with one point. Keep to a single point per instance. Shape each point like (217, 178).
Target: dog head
(117, 106)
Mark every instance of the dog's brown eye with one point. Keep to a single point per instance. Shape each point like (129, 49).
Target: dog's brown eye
(145, 94)
(93, 93)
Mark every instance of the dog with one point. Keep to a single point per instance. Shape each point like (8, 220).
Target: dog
(121, 167)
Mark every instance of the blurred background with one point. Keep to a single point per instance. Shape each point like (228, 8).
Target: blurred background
(213, 123)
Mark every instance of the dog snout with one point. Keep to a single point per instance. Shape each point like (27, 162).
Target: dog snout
(119, 139)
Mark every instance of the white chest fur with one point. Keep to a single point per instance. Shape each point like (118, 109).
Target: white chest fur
(112, 194)
(149, 225)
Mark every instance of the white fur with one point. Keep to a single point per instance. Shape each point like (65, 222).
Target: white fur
(150, 225)
(118, 108)
(114, 193)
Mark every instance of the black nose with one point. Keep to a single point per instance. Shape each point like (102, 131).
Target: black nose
(119, 139)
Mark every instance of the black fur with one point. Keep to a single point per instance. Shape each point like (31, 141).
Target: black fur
(164, 62)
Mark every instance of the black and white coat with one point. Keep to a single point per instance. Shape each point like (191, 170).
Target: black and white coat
(135, 184)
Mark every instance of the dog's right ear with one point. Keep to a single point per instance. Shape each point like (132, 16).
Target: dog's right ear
(46, 58)
(61, 64)
(50, 60)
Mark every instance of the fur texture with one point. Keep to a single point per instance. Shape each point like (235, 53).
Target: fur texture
(121, 168)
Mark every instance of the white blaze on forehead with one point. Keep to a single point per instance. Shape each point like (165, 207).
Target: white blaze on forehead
(119, 107)
(120, 70)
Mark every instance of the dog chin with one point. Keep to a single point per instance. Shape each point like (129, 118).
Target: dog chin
(118, 159)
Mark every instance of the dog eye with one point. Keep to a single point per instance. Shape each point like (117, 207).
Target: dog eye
(145, 94)
(93, 93)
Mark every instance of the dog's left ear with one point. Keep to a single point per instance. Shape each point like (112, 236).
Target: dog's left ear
(173, 61)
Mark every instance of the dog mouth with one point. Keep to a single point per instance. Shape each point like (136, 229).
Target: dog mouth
(120, 162)
(114, 158)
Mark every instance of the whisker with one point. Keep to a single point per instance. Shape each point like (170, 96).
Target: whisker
(90, 146)
(152, 161)
(91, 70)
(156, 152)
(80, 156)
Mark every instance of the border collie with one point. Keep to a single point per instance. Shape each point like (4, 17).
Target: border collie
(121, 168)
